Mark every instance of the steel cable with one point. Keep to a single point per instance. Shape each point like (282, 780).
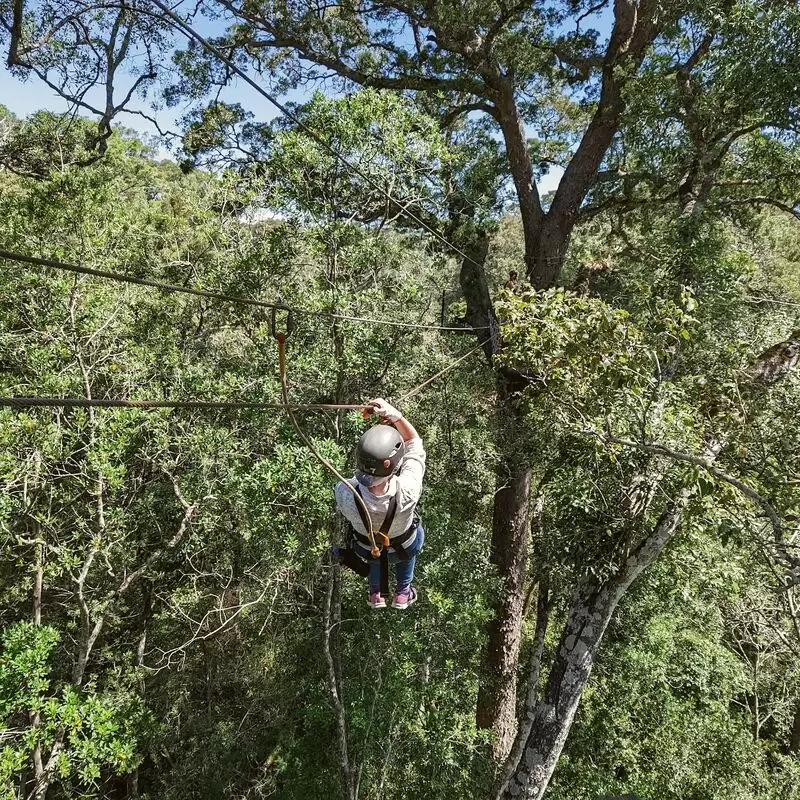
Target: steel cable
(79, 269)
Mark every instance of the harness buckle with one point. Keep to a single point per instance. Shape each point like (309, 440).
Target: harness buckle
(379, 541)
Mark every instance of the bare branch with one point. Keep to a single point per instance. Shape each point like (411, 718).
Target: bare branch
(453, 113)
(331, 618)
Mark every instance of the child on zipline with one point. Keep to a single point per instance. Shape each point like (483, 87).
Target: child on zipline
(390, 462)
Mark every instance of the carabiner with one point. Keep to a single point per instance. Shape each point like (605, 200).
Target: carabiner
(283, 335)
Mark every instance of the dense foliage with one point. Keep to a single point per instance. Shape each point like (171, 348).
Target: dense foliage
(610, 587)
(196, 540)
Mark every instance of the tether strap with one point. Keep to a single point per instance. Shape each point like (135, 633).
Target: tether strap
(387, 520)
(384, 542)
(384, 585)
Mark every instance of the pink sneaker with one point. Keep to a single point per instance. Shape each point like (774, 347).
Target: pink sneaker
(376, 600)
(404, 598)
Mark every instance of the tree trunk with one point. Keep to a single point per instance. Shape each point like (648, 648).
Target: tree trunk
(547, 235)
(534, 675)
(794, 741)
(589, 614)
(472, 277)
(496, 706)
(497, 696)
(331, 620)
(544, 269)
(521, 166)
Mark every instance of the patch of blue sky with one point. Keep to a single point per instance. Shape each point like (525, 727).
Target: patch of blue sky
(26, 96)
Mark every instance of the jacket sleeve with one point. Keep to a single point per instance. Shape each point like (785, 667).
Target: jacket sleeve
(409, 481)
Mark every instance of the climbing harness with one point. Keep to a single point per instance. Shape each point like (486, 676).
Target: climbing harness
(398, 544)
(378, 542)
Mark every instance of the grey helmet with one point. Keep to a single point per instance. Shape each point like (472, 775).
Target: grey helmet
(379, 444)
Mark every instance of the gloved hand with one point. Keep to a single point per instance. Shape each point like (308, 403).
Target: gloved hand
(384, 410)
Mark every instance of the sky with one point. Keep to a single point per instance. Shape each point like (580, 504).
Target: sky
(24, 97)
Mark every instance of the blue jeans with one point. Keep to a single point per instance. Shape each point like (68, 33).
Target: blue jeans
(403, 570)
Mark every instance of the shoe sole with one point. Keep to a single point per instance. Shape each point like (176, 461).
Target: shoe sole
(404, 606)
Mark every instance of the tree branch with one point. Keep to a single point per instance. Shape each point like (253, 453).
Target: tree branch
(452, 114)
(633, 31)
(705, 463)
(759, 200)
(16, 35)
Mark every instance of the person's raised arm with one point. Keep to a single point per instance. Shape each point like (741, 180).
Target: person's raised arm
(389, 413)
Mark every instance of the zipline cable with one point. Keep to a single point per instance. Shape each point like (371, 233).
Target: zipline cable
(79, 269)
(21, 401)
(439, 374)
(190, 32)
(82, 402)
(280, 336)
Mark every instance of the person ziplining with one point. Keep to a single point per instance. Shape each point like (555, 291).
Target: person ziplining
(390, 456)
(390, 461)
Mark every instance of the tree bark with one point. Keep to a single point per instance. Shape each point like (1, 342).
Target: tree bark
(589, 613)
(521, 166)
(496, 706)
(497, 696)
(794, 741)
(534, 675)
(331, 620)
(472, 277)
(547, 236)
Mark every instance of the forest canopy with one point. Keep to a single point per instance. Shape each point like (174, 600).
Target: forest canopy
(609, 602)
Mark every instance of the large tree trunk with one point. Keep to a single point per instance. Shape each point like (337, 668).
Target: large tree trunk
(521, 166)
(590, 612)
(496, 707)
(472, 277)
(794, 742)
(543, 608)
(497, 696)
(547, 235)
